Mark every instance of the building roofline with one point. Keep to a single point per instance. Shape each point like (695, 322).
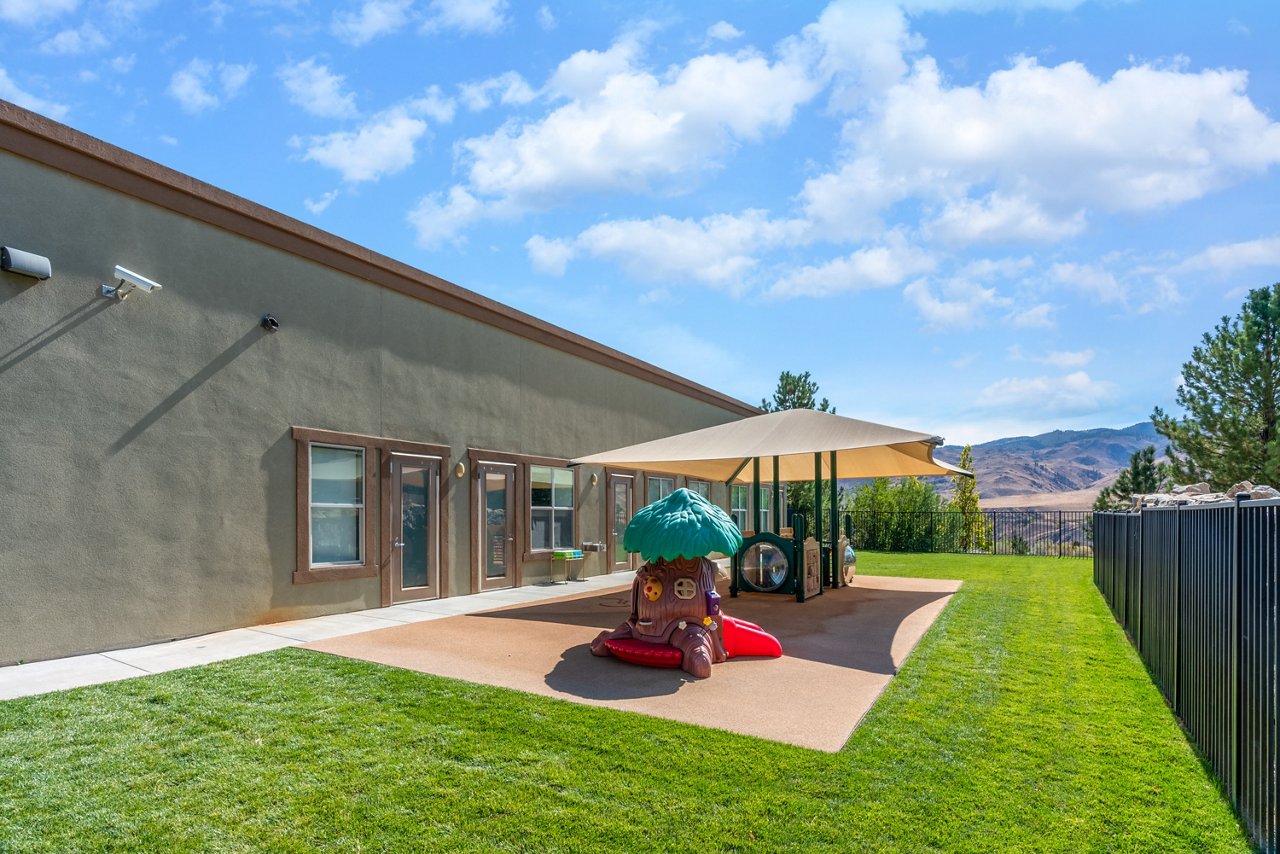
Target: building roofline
(56, 145)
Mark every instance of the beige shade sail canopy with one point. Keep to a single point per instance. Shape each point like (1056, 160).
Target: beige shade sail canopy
(724, 452)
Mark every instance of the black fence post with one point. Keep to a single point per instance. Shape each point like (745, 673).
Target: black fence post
(1139, 620)
(1237, 544)
(1177, 609)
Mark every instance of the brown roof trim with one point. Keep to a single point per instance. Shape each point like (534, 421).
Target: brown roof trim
(45, 141)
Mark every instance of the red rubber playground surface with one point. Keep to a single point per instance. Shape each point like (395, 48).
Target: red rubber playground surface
(840, 650)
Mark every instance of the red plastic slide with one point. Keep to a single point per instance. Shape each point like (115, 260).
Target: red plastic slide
(743, 638)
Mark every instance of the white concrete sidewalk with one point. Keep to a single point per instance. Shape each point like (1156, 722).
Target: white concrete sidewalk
(39, 677)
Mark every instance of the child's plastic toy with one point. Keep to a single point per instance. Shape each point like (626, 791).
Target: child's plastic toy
(675, 611)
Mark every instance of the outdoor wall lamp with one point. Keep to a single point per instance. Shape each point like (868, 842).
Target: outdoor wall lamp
(129, 282)
(595, 478)
(24, 263)
(460, 470)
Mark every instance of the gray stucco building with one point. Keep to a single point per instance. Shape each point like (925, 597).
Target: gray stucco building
(169, 467)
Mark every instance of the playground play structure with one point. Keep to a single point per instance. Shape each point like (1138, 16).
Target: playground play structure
(794, 446)
(676, 620)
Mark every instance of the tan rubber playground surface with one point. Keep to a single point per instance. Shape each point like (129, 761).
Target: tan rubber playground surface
(840, 650)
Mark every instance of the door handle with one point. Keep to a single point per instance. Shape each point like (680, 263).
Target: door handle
(398, 544)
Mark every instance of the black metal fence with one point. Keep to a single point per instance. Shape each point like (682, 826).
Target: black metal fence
(1196, 589)
(1053, 533)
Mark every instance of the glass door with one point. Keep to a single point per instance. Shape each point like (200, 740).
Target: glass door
(621, 492)
(496, 506)
(415, 528)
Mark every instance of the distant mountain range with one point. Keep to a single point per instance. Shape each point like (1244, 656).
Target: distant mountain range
(1062, 470)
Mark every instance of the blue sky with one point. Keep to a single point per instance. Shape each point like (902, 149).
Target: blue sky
(977, 218)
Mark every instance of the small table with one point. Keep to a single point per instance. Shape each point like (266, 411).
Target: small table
(565, 555)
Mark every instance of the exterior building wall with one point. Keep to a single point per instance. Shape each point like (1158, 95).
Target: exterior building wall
(147, 464)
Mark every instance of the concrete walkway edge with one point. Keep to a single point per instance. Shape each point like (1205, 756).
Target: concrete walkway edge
(39, 677)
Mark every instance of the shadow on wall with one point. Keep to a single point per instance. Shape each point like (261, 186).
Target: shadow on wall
(183, 391)
(280, 525)
(52, 333)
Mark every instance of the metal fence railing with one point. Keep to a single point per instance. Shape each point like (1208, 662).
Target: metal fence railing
(1196, 589)
(1053, 533)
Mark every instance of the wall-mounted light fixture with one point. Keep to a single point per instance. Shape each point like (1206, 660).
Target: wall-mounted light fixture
(595, 478)
(129, 282)
(270, 323)
(24, 263)
(460, 470)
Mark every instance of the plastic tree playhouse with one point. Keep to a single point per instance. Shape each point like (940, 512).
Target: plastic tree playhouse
(676, 619)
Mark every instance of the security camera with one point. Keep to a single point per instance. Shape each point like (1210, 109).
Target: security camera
(131, 278)
(24, 263)
(129, 282)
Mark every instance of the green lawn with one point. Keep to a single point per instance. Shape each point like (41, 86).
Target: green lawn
(1023, 721)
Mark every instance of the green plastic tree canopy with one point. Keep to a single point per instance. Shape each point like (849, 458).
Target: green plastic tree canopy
(684, 524)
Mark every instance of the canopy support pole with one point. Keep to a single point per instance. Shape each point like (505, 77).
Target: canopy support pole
(777, 499)
(817, 526)
(754, 503)
(836, 560)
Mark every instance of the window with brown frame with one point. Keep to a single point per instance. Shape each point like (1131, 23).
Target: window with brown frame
(551, 508)
(338, 498)
(702, 487)
(658, 488)
(550, 502)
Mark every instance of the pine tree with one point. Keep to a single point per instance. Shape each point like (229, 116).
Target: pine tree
(974, 532)
(1230, 393)
(796, 391)
(1143, 477)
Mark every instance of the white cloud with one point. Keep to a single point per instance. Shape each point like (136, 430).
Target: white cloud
(83, 39)
(1067, 358)
(1028, 153)
(433, 105)
(382, 146)
(869, 267)
(442, 217)
(507, 88)
(122, 64)
(723, 31)
(374, 18)
(468, 16)
(217, 10)
(320, 205)
(963, 303)
(1070, 394)
(1101, 284)
(1229, 257)
(1036, 317)
(625, 128)
(199, 86)
(316, 89)
(10, 91)
(716, 250)
(546, 19)
(917, 6)
(549, 256)
(168, 140)
(233, 78)
(34, 11)
(859, 47)
(999, 218)
(126, 11)
(719, 250)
